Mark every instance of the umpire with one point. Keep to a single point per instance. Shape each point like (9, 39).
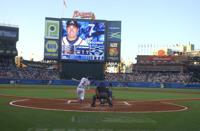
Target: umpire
(102, 93)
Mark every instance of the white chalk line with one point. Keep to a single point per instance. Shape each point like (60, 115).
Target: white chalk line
(169, 103)
(78, 110)
(47, 109)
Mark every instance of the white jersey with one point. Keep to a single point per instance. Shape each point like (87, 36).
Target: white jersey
(69, 47)
(84, 83)
(81, 88)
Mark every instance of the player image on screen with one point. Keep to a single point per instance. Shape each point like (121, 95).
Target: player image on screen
(83, 40)
(72, 40)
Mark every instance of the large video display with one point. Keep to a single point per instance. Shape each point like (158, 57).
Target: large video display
(83, 40)
(9, 33)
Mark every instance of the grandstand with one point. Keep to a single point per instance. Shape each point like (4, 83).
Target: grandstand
(178, 68)
(9, 36)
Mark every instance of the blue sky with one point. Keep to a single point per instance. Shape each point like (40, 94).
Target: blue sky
(143, 21)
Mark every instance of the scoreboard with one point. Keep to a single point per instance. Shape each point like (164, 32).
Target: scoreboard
(100, 36)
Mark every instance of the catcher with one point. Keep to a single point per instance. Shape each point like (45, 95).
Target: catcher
(102, 93)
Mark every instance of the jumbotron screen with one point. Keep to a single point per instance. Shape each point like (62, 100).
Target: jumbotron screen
(82, 40)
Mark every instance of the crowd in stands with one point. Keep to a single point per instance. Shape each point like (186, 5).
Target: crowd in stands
(29, 73)
(41, 74)
(149, 77)
(7, 73)
(38, 74)
(8, 70)
(5, 63)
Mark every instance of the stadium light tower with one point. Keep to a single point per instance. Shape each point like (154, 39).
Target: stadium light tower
(64, 7)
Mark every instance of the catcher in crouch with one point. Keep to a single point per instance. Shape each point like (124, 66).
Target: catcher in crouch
(102, 93)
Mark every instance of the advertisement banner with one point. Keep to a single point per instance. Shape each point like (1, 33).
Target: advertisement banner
(114, 31)
(52, 29)
(51, 48)
(113, 41)
(113, 53)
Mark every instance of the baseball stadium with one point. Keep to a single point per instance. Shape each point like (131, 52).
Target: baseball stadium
(160, 92)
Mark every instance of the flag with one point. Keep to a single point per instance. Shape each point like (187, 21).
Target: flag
(64, 3)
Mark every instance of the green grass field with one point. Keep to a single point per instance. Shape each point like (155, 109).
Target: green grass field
(22, 119)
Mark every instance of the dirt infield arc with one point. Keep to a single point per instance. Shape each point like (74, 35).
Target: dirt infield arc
(119, 105)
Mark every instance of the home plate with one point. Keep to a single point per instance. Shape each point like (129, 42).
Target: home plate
(126, 103)
(69, 101)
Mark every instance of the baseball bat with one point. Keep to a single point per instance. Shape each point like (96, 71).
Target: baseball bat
(74, 79)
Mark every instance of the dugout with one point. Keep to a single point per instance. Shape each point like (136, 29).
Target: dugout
(82, 69)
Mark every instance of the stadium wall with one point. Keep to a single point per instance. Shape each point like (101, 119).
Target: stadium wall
(82, 69)
(114, 83)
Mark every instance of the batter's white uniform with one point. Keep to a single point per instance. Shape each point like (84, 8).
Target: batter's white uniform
(81, 88)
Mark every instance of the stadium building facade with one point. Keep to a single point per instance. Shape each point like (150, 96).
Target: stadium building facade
(161, 63)
(9, 35)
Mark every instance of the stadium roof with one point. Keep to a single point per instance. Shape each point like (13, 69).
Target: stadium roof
(8, 25)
